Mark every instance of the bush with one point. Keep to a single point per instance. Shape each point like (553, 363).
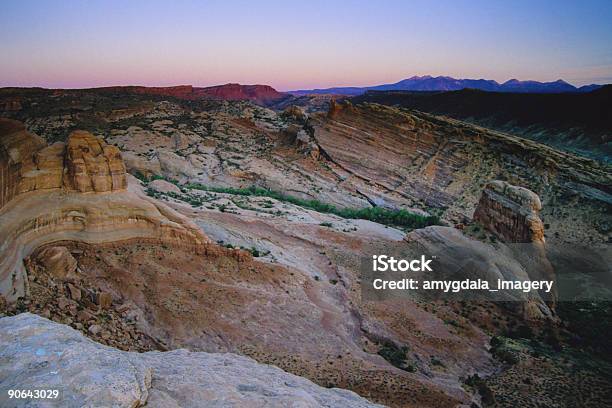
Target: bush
(396, 356)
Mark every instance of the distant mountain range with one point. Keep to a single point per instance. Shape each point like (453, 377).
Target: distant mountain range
(445, 83)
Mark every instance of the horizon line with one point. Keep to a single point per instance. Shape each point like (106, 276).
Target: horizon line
(289, 90)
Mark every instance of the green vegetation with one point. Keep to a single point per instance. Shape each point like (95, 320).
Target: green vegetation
(505, 349)
(400, 218)
(396, 356)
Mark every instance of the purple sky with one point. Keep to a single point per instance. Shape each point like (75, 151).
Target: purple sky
(293, 45)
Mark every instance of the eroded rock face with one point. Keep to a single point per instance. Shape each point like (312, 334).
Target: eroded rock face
(85, 164)
(510, 212)
(16, 159)
(36, 353)
(92, 165)
(55, 176)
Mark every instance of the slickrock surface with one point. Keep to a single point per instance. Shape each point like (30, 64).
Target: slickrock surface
(36, 353)
(511, 212)
(426, 161)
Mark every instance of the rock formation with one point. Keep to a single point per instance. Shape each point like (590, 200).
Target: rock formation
(85, 164)
(17, 164)
(55, 209)
(36, 353)
(296, 114)
(510, 212)
(92, 165)
(458, 257)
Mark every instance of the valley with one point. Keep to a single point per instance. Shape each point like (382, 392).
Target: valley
(229, 220)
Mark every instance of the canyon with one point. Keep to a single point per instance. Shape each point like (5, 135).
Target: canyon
(153, 220)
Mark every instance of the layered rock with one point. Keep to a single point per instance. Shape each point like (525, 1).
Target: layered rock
(36, 353)
(55, 209)
(84, 164)
(17, 148)
(511, 212)
(427, 161)
(92, 165)
(32, 220)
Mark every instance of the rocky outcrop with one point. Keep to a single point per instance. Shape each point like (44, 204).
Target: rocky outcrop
(36, 353)
(511, 212)
(457, 257)
(84, 164)
(17, 149)
(55, 209)
(32, 220)
(92, 165)
(295, 114)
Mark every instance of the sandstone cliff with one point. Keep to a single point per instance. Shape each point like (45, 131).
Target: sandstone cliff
(36, 353)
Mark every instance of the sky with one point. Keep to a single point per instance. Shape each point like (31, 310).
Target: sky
(300, 44)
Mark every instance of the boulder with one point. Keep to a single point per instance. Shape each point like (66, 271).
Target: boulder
(59, 262)
(75, 292)
(104, 300)
(36, 353)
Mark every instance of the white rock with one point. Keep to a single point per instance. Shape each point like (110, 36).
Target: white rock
(36, 353)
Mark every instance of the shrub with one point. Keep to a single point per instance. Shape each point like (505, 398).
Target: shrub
(396, 356)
